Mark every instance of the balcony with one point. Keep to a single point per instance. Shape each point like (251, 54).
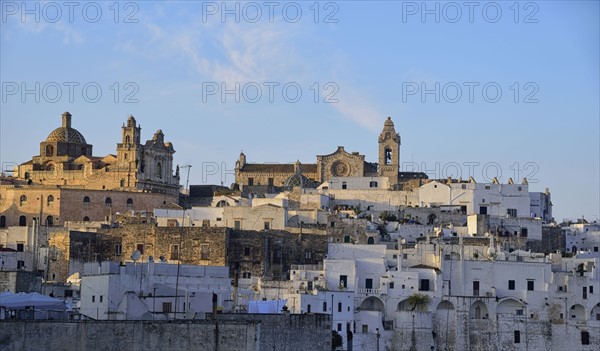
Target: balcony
(369, 291)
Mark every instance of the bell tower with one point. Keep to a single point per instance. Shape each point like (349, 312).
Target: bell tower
(389, 152)
(129, 150)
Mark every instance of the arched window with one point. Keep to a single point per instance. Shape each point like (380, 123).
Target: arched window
(108, 202)
(125, 156)
(27, 176)
(388, 156)
(370, 241)
(86, 219)
(50, 200)
(129, 203)
(50, 167)
(49, 221)
(23, 200)
(22, 221)
(159, 170)
(49, 150)
(2, 221)
(86, 199)
(127, 140)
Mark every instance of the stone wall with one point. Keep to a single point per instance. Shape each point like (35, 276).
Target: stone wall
(128, 335)
(20, 281)
(271, 253)
(227, 332)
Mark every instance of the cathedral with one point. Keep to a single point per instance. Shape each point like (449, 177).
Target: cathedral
(335, 165)
(66, 182)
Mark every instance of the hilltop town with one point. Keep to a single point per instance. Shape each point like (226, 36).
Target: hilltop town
(340, 254)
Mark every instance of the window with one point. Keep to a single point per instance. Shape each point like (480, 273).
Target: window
(20, 247)
(511, 212)
(2, 221)
(370, 241)
(343, 281)
(339, 307)
(591, 289)
(122, 183)
(332, 224)
(237, 225)
(388, 156)
(270, 181)
(517, 335)
(308, 255)
(585, 337)
(166, 307)
(511, 285)
(585, 292)
(20, 264)
(118, 249)
(524, 232)
(373, 184)
(365, 328)
(129, 203)
(205, 252)
(140, 248)
(159, 170)
(424, 285)
(101, 298)
(49, 150)
(267, 225)
(49, 221)
(487, 187)
(369, 283)
(93, 298)
(250, 181)
(308, 308)
(390, 285)
(23, 200)
(339, 327)
(344, 185)
(530, 285)
(86, 201)
(595, 248)
(519, 312)
(483, 210)
(50, 201)
(246, 275)
(22, 221)
(108, 202)
(174, 252)
(172, 223)
(247, 251)
(68, 293)
(86, 219)
(324, 306)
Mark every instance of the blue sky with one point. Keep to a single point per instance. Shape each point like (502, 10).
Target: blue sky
(364, 61)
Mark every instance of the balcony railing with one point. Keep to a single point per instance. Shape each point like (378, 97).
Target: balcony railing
(369, 291)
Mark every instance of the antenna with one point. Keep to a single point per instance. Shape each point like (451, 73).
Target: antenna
(136, 255)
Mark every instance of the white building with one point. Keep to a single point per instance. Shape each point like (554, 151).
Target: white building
(151, 290)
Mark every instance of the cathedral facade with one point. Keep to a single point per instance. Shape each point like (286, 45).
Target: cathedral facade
(65, 182)
(335, 165)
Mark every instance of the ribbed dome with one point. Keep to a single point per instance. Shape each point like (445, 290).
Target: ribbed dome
(65, 134)
(298, 180)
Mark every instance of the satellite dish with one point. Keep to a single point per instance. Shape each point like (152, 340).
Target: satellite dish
(136, 255)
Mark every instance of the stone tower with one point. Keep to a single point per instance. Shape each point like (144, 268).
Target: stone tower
(389, 152)
(129, 151)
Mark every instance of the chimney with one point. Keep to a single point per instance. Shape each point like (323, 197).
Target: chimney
(66, 120)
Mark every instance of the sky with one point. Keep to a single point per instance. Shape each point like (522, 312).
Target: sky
(483, 89)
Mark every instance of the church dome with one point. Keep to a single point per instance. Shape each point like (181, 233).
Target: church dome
(68, 135)
(65, 133)
(298, 180)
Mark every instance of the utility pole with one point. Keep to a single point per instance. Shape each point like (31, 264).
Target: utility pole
(181, 241)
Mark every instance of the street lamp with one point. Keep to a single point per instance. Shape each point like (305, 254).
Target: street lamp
(378, 336)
